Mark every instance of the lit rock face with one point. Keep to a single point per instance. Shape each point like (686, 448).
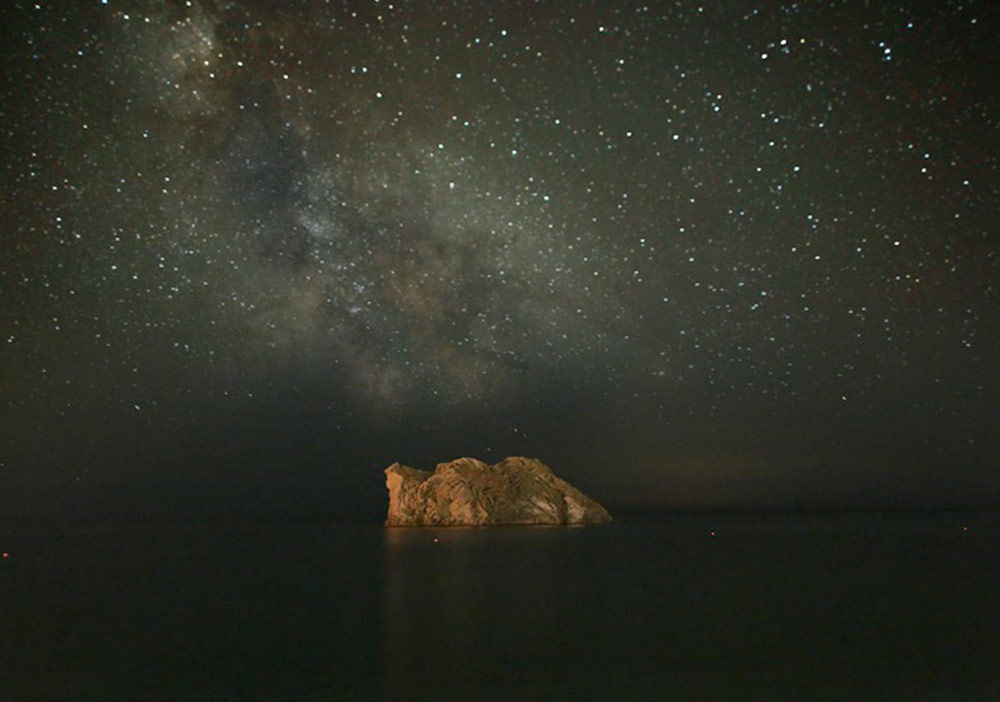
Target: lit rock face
(467, 492)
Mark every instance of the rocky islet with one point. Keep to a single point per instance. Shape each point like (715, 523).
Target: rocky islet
(469, 492)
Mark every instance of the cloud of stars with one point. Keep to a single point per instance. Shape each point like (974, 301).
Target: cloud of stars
(696, 254)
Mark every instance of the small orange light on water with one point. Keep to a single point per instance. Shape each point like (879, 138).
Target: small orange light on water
(712, 534)
(6, 555)
(436, 539)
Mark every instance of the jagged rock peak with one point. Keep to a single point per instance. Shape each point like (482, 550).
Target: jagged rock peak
(468, 492)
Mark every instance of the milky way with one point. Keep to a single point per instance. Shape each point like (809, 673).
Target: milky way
(687, 254)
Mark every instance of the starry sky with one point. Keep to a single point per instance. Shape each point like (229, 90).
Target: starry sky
(689, 254)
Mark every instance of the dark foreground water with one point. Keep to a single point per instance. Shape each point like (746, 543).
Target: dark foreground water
(846, 607)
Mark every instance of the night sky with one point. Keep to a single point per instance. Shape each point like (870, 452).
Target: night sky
(689, 254)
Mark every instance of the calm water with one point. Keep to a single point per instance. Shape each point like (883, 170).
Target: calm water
(772, 607)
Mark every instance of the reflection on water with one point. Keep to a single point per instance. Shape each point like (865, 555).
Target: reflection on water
(480, 611)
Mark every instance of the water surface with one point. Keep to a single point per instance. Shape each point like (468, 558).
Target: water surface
(773, 606)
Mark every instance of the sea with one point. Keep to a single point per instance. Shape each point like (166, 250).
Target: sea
(778, 605)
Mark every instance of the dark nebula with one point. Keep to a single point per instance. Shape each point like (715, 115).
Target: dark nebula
(686, 254)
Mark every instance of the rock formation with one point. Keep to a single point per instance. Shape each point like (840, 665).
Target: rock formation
(467, 492)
